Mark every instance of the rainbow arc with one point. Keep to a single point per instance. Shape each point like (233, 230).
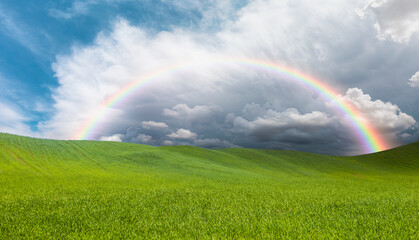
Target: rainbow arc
(368, 137)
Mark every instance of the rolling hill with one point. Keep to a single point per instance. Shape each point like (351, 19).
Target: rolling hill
(92, 189)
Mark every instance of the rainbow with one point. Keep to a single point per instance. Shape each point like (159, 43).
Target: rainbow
(369, 138)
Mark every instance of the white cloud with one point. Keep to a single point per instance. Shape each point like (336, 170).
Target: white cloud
(77, 8)
(384, 116)
(20, 32)
(167, 143)
(291, 126)
(414, 80)
(143, 138)
(197, 114)
(10, 115)
(281, 125)
(183, 134)
(152, 124)
(103, 68)
(12, 120)
(396, 19)
(113, 138)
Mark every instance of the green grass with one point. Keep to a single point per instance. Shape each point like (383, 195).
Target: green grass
(105, 190)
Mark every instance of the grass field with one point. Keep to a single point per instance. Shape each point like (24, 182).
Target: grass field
(106, 190)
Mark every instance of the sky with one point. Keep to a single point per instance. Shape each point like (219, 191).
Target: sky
(61, 61)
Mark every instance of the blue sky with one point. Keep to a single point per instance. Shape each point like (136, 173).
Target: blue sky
(33, 33)
(55, 54)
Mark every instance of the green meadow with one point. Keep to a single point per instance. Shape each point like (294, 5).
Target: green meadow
(53, 189)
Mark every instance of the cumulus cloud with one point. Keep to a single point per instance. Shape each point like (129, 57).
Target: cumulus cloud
(153, 124)
(183, 134)
(113, 61)
(252, 111)
(167, 143)
(197, 114)
(414, 80)
(385, 116)
(144, 138)
(113, 138)
(411, 134)
(289, 125)
(396, 19)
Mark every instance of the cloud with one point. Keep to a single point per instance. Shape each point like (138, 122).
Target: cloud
(384, 116)
(396, 19)
(14, 121)
(77, 8)
(231, 103)
(252, 111)
(143, 138)
(410, 135)
(10, 115)
(287, 126)
(292, 128)
(152, 124)
(414, 80)
(113, 138)
(167, 143)
(20, 32)
(183, 134)
(214, 13)
(197, 114)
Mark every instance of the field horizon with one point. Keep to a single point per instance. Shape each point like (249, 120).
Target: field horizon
(337, 155)
(98, 190)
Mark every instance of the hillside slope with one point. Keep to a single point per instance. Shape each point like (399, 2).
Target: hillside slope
(19, 153)
(105, 190)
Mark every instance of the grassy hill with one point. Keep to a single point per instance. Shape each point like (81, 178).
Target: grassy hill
(90, 189)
